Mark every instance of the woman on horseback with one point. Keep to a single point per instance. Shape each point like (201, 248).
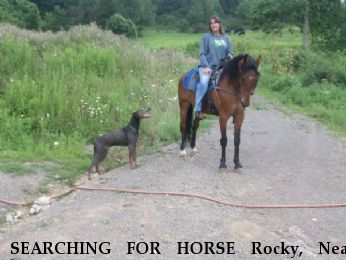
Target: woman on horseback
(214, 46)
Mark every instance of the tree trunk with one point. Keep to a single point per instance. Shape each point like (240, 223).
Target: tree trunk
(306, 27)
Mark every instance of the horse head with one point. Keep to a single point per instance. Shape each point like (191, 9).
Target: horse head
(247, 75)
(243, 75)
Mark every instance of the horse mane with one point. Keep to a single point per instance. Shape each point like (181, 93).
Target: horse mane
(232, 70)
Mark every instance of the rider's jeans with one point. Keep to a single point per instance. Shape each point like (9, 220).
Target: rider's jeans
(201, 88)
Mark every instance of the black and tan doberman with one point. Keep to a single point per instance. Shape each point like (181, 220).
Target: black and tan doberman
(126, 136)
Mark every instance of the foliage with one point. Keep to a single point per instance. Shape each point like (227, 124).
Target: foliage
(20, 12)
(274, 15)
(54, 20)
(328, 24)
(327, 19)
(320, 67)
(60, 91)
(120, 25)
(199, 13)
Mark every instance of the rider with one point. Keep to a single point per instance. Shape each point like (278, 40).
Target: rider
(214, 46)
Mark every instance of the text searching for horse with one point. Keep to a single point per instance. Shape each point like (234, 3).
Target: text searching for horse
(230, 97)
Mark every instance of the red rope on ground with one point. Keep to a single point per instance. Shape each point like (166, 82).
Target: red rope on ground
(207, 198)
(13, 202)
(189, 195)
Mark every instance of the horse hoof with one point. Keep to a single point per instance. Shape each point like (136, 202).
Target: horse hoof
(223, 170)
(222, 166)
(194, 151)
(238, 166)
(238, 170)
(183, 154)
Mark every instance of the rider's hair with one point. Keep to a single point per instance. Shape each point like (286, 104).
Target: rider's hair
(216, 19)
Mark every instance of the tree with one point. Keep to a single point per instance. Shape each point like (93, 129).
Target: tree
(55, 20)
(120, 25)
(229, 7)
(28, 13)
(324, 18)
(139, 11)
(20, 12)
(274, 15)
(6, 14)
(328, 24)
(200, 12)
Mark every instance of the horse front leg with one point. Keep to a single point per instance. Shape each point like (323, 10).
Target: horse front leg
(237, 128)
(223, 142)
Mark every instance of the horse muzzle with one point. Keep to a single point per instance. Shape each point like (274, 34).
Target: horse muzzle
(244, 103)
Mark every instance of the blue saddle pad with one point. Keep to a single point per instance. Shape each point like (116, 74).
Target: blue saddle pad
(191, 80)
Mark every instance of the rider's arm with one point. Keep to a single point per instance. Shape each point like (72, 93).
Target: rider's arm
(229, 51)
(203, 51)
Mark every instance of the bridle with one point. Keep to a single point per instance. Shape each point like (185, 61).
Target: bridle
(217, 88)
(230, 93)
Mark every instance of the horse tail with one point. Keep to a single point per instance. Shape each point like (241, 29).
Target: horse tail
(189, 122)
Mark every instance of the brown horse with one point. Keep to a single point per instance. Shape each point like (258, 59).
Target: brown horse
(237, 82)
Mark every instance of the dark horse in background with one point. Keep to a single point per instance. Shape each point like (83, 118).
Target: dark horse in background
(230, 97)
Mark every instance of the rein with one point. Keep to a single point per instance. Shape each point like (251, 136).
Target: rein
(229, 93)
(226, 91)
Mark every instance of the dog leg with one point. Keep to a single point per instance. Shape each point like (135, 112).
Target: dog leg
(90, 169)
(100, 154)
(132, 156)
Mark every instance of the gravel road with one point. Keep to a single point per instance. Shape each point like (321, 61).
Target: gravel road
(287, 159)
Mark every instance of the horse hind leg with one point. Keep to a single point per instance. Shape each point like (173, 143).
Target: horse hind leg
(194, 135)
(185, 128)
(189, 123)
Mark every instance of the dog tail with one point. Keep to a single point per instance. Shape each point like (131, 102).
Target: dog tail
(189, 122)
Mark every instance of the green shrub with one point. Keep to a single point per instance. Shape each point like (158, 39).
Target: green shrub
(321, 66)
(120, 25)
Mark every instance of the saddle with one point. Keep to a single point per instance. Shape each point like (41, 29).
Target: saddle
(191, 80)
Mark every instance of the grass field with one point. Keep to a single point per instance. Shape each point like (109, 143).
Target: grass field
(59, 91)
(313, 83)
(155, 39)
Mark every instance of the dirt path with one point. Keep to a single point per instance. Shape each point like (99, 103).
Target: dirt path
(286, 159)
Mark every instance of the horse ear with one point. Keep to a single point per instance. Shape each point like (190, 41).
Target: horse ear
(245, 58)
(258, 61)
(242, 61)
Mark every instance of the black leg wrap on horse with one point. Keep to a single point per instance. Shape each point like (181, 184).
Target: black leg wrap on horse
(223, 142)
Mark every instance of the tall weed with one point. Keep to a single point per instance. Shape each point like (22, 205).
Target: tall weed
(62, 90)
